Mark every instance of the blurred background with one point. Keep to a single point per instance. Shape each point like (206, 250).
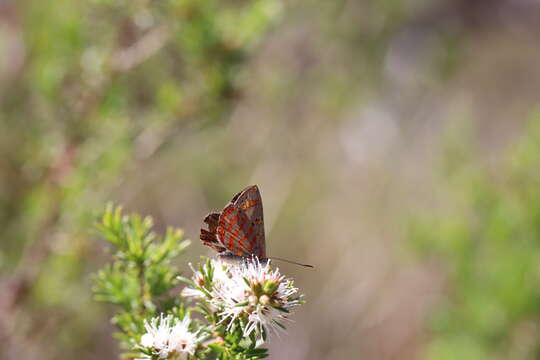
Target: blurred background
(396, 144)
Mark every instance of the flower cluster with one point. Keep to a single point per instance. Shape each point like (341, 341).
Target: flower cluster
(169, 338)
(249, 298)
(249, 294)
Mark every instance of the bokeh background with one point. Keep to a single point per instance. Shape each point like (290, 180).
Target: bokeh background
(396, 144)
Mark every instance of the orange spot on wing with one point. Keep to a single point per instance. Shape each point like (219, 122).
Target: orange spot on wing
(249, 203)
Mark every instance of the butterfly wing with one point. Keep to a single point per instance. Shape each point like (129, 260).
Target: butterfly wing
(240, 227)
(231, 231)
(250, 203)
(209, 237)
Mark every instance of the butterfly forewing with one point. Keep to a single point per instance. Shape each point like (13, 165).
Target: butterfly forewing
(250, 203)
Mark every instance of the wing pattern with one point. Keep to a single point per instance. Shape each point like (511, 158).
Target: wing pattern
(239, 228)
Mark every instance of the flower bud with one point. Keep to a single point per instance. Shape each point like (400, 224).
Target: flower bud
(257, 288)
(200, 281)
(265, 299)
(269, 287)
(252, 300)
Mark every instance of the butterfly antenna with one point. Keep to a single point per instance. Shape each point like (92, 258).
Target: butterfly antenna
(291, 262)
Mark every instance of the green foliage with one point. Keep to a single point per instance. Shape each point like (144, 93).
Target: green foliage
(489, 247)
(141, 275)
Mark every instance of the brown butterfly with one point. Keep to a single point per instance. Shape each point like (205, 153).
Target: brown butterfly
(237, 232)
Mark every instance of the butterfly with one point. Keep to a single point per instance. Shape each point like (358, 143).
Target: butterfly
(237, 232)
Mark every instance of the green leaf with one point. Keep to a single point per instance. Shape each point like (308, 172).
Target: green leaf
(217, 348)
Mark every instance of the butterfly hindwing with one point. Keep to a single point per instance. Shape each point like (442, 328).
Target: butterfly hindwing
(212, 220)
(209, 237)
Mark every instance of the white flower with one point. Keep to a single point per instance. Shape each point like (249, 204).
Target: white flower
(257, 293)
(184, 341)
(170, 337)
(250, 291)
(220, 274)
(221, 271)
(191, 292)
(158, 335)
(147, 340)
